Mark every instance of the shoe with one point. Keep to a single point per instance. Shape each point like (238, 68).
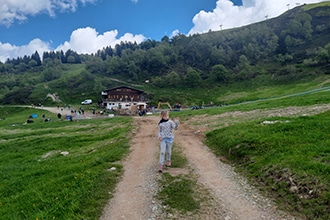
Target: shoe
(168, 163)
(160, 169)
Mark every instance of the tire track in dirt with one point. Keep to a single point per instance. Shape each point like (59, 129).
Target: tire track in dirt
(237, 199)
(232, 197)
(134, 193)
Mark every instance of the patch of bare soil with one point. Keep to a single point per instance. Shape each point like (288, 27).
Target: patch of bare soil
(88, 114)
(231, 196)
(134, 194)
(204, 123)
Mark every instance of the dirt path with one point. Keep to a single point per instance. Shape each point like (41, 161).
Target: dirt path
(232, 197)
(134, 194)
(231, 192)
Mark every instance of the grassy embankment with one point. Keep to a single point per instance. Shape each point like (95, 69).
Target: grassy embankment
(288, 159)
(39, 182)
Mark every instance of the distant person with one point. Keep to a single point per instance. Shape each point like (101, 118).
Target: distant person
(166, 138)
(59, 116)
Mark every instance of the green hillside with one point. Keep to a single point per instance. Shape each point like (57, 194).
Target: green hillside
(271, 80)
(293, 48)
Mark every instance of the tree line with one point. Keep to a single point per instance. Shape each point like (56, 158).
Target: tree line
(298, 37)
(279, 48)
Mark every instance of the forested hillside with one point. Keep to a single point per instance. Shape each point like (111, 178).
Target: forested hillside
(293, 46)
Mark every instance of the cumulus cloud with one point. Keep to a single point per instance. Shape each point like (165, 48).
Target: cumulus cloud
(227, 15)
(12, 51)
(174, 33)
(83, 40)
(18, 10)
(88, 40)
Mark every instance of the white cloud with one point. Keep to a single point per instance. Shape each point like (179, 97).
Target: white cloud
(87, 40)
(227, 15)
(19, 10)
(174, 33)
(12, 51)
(83, 40)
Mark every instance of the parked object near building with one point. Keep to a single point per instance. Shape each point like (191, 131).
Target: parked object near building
(86, 102)
(164, 103)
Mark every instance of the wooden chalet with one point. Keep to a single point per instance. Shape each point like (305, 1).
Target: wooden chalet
(123, 97)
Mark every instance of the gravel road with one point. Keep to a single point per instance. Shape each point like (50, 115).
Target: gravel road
(231, 195)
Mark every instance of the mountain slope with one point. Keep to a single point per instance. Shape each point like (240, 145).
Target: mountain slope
(290, 48)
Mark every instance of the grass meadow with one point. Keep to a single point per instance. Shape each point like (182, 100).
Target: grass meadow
(58, 169)
(287, 158)
(290, 159)
(62, 169)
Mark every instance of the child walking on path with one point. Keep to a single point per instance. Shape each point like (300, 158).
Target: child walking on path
(166, 138)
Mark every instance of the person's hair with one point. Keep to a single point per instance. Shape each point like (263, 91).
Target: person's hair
(163, 113)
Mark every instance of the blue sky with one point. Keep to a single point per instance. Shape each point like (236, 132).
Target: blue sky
(85, 26)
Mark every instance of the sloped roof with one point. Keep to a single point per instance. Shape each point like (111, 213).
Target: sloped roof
(119, 87)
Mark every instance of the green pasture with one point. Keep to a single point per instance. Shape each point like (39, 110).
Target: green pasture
(61, 169)
(278, 98)
(288, 158)
(58, 169)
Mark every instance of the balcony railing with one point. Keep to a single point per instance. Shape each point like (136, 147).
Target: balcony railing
(124, 100)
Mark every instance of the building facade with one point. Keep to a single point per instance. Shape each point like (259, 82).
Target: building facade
(123, 97)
